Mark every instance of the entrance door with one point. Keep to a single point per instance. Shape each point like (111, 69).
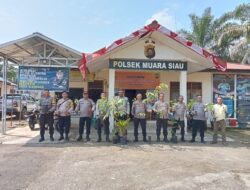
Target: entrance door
(95, 89)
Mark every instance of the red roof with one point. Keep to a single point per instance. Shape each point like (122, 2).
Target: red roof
(237, 66)
(154, 26)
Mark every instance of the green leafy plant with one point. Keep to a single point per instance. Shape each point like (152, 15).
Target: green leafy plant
(209, 107)
(190, 104)
(152, 96)
(122, 126)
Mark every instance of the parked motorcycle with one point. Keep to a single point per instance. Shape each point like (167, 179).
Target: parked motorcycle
(32, 118)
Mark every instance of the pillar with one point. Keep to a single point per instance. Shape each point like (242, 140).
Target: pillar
(183, 90)
(111, 90)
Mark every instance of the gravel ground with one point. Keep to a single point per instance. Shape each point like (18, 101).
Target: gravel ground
(26, 164)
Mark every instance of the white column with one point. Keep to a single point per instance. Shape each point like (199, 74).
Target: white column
(4, 83)
(183, 89)
(111, 94)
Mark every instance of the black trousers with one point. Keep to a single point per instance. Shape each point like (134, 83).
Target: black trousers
(182, 125)
(142, 122)
(198, 125)
(64, 124)
(46, 119)
(82, 122)
(103, 122)
(162, 123)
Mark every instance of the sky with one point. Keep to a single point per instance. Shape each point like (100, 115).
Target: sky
(88, 25)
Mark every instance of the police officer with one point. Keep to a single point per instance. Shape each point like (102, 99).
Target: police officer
(47, 108)
(199, 119)
(124, 107)
(102, 115)
(139, 112)
(63, 110)
(161, 108)
(60, 81)
(179, 111)
(220, 113)
(86, 106)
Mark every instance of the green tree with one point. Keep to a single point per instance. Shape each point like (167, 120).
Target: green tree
(233, 35)
(201, 28)
(226, 36)
(12, 73)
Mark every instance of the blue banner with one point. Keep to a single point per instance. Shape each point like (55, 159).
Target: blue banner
(40, 78)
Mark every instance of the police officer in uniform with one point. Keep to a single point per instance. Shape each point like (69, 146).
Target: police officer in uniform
(199, 119)
(179, 111)
(139, 112)
(63, 110)
(102, 114)
(86, 106)
(124, 107)
(161, 108)
(47, 108)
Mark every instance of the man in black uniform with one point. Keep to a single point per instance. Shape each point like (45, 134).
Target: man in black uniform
(47, 108)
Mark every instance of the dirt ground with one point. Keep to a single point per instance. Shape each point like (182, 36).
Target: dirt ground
(26, 164)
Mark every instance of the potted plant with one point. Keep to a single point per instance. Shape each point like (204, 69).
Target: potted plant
(121, 121)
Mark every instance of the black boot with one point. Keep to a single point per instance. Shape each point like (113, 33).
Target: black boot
(61, 138)
(165, 139)
(87, 138)
(145, 139)
(136, 139)
(99, 138)
(41, 139)
(202, 140)
(107, 138)
(182, 139)
(51, 138)
(193, 140)
(79, 138)
(67, 137)
(158, 139)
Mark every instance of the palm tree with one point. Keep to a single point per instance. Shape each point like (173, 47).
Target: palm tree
(226, 36)
(234, 33)
(201, 29)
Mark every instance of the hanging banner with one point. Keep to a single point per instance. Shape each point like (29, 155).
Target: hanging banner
(40, 78)
(136, 80)
(223, 85)
(243, 98)
(147, 64)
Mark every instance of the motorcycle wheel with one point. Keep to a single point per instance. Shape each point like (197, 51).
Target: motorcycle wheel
(32, 125)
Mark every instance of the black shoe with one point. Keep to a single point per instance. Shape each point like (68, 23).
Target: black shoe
(202, 141)
(213, 142)
(158, 139)
(182, 139)
(145, 140)
(66, 138)
(87, 139)
(61, 138)
(41, 139)
(225, 143)
(79, 138)
(107, 139)
(192, 141)
(165, 140)
(136, 140)
(51, 138)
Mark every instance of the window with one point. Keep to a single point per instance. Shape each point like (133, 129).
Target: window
(193, 89)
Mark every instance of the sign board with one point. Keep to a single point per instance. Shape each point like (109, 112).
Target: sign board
(223, 86)
(243, 98)
(136, 80)
(148, 64)
(40, 78)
